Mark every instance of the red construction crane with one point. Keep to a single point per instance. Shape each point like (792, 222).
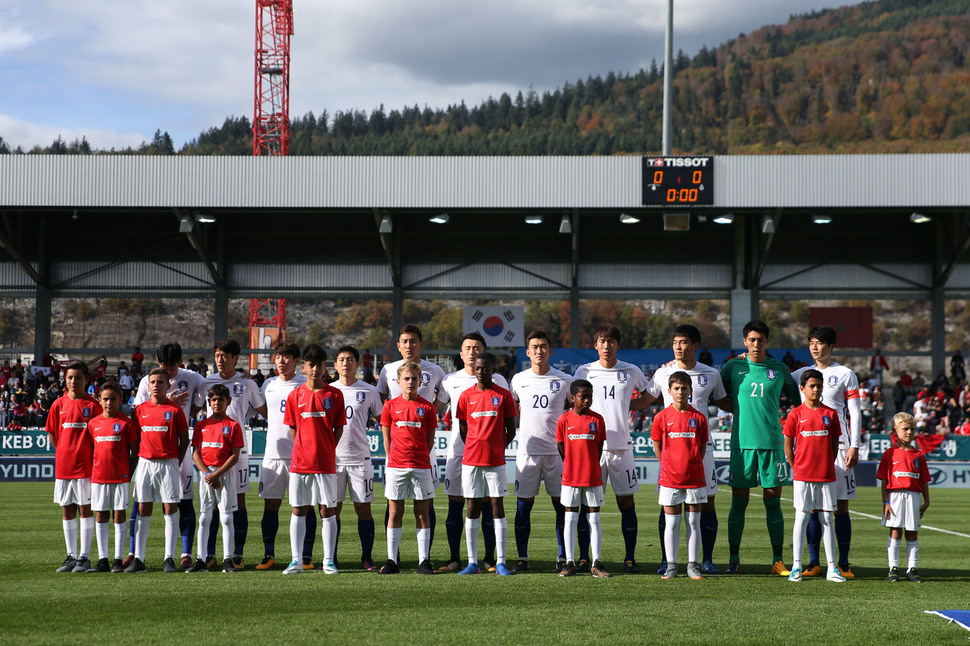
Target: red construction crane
(271, 123)
(267, 327)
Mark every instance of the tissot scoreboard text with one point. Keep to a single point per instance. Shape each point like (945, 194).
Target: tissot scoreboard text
(678, 181)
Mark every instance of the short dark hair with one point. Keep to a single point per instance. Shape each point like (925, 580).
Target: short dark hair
(608, 331)
(689, 332)
(756, 326)
(487, 357)
(219, 390)
(811, 373)
(80, 366)
(824, 333)
(169, 354)
(473, 336)
(314, 353)
(538, 334)
(680, 377)
(411, 329)
(287, 349)
(160, 371)
(227, 345)
(577, 384)
(351, 349)
(114, 387)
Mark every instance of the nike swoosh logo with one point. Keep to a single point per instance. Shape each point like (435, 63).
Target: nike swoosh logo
(301, 405)
(569, 428)
(670, 423)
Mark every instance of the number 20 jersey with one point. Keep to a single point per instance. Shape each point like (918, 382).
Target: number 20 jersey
(542, 400)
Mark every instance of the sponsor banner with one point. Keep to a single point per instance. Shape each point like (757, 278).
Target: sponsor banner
(954, 447)
(25, 443)
(39, 469)
(502, 327)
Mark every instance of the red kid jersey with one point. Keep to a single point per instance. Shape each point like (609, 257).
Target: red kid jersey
(111, 436)
(813, 431)
(902, 469)
(67, 423)
(683, 436)
(409, 422)
(159, 426)
(216, 439)
(581, 436)
(315, 415)
(485, 412)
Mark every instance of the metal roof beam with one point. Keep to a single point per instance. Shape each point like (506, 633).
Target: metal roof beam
(197, 246)
(14, 252)
(961, 248)
(387, 240)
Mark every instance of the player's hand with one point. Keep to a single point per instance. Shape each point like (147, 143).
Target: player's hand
(742, 356)
(179, 399)
(851, 458)
(922, 508)
(887, 512)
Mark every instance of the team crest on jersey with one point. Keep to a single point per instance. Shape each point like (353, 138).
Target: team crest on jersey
(692, 423)
(237, 390)
(554, 386)
(494, 401)
(592, 426)
(327, 404)
(833, 380)
(116, 428)
(771, 374)
(420, 412)
(183, 386)
(168, 416)
(225, 430)
(701, 380)
(86, 411)
(916, 463)
(425, 378)
(621, 376)
(826, 420)
(361, 397)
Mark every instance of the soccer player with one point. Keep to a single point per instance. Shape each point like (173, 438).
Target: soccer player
(680, 438)
(705, 385)
(245, 399)
(840, 391)
(904, 476)
(354, 469)
(115, 455)
(614, 384)
(580, 434)
(216, 445)
(181, 392)
(756, 384)
(67, 424)
(163, 441)
(542, 393)
(316, 416)
(812, 434)
(454, 384)
(486, 418)
(275, 475)
(408, 423)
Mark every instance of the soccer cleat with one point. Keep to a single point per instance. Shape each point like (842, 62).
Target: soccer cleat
(426, 567)
(295, 567)
(708, 567)
(367, 565)
(83, 565)
(237, 562)
(186, 562)
(779, 568)
(471, 568)
(694, 572)
(128, 560)
(307, 562)
(68, 564)
(267, 563)
(846, 572)
(210, 562)
(452, 566)
(101, 566)
(913, 576)
(734, 567)
(893, 574)
(599, 572)
(389, 567)
(796, 575)
(228, 566)
(560, 564)
(330, 568)
(671, 572)
(569, 569)
(168, 566)
(835, 576)
(503, 570)
(197, 566)
(118, 566)
(630, 567)
(662, 569)
(813, 569)
(489, 566)
(136, 566)
(582, 566)
(522, 565)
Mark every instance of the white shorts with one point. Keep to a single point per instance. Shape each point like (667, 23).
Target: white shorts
(672, 496)
(905, 506)
(274, 478)
(186, 475)
(157, 481)
(359, 479)
(576, 496)
(400, 484)
(530, 469)
(225, 496)
(811, 496)
(433, 457)
(110, 497)
(242, 472)
(844, 478)
(76, 491)
(620, 470)
(484, 482)
(309, 489)
(453, 476)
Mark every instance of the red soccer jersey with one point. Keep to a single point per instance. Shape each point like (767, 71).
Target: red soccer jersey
(683, 436)
(813, 431)
(67, 423)
(409, 422)
(903, 470)
(159, 426)
(111, 436)
(582, 436)
(315, 415)
(216, 439)
(485, 412)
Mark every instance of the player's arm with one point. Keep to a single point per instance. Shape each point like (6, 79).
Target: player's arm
(887, 511)
(386, 432)
(657, 448)
(562, 449)
(790, 450)
(854, 405)
(432, 427)
(656, 434)
(183, 434)
(835, 434)
(791, 389)
(132, 454)
(337, 432)
(462, 428)
(926, 499)
(509, 430)
(725, 403)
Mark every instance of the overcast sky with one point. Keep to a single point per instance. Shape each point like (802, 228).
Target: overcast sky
(117, 70)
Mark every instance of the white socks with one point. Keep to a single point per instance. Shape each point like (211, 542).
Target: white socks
(171, 534)
(297, 535)
(394, 542)
(121, 539)
(102, 534)
(912, 554)
(828, 538)
(894, 552)
(228, 534)
(329, 533)
(693, 536)
(471, 538)
(142, 524)
(570, 523)
(70, 535)
(87, 534)
(501, 539)
(424, 544)
(595, 535)
(798, 538)
(672, 537)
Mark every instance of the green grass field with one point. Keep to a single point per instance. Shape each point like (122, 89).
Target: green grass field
(38, 605)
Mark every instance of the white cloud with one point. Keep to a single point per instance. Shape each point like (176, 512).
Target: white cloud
(17, 132)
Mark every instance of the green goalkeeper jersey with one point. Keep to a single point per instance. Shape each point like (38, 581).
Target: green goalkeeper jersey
(756, 389)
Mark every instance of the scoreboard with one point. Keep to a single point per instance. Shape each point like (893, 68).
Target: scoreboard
(678, 181)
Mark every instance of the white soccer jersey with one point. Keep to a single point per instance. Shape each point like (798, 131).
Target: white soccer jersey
(542, 400)
(244, 392)
(454, 384)
(186, 381)
(431, 377)
(362, 401)
(839, 385)
(279, 442)
(705, 383)
(612, 390)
